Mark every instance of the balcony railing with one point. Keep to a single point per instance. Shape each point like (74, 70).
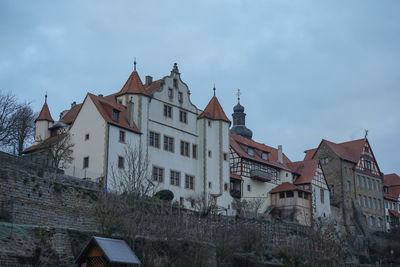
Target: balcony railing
(260, 175)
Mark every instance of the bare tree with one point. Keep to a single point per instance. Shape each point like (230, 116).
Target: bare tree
(23, 127)
(59, 150)
(248, 208)
(132, 176)
(8, 106)
(204, 204)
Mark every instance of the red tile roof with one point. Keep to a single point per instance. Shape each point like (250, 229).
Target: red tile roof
(392, 181)
(236, 176)
(394, 213)
(285, 187)
(133, 85)
(70, 116)
(214, 111)
(350, 151)
(105, 108)
(306, 169)
(48, 141)
(236, 142)
(44, 114)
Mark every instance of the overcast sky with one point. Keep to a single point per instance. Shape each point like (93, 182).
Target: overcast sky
(307, 70)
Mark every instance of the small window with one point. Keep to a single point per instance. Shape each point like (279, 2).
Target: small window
(359, 200)
(300, 194)
(367, 164)
(182, 202)
(209, 153)
(189, 182)
(250, 151)
(226, 186)
(305, 195)
(194, 151)
(379, 222)
(180, 97)
(209, 185)
(122, 136)
(170, 93)
(371, 221)
(331, 190)
(379, 204)
(374, 203)
(168, 143)
(291, 194)
(86, 162)
(167, 111)
(86, 137)
(225, 156)
(176, 83)
(249, 187)
(209, 123)
(183, 116)
(322, 195)
(158, 174)
(175, 178)
(369, 202)
(358, 180)
(373, 185)
(120, 162)
(281, 194)
(154, 139)
(363, 184)
(115, 115)
(192, 203)
(264, 156)
(185, 148)
(365, 201)
(348, 186)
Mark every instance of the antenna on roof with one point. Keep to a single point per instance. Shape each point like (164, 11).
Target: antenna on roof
(238, 95)
(366, 133)
(134, 64)
(214, 89)
(45, 98)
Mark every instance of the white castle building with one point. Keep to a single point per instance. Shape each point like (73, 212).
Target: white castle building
(189, 151)
(187, 148)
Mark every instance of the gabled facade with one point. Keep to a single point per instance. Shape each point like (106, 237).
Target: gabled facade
(187, 149)
(308, 175)
(355, 182)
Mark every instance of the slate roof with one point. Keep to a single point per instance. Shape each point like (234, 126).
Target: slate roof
(306, 169)
(214, 111)
(115, 250)
(235, 142)
(44, 114)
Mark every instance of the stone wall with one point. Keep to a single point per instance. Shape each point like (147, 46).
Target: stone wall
(32, 195)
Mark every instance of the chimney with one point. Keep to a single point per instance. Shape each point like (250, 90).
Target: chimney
(130, 112)
(100, 95)
(149, 80)
(280, 154)
(73, 104)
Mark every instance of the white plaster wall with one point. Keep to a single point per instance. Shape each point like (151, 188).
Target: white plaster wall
(88, 121)
(321, 209)
(42, 130)
(117, 148)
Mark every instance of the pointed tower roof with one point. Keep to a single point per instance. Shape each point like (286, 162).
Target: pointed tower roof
(44, 114)
(214, 111)
(133, 85)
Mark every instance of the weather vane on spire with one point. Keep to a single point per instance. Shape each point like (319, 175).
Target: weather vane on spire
(366, 133)
(214, 89)
(134, 64)
(238, 95)
(45, 98)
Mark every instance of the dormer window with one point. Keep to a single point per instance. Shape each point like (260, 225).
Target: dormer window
(250, 151)
(170, 93)
(264, 155)
(115, 115)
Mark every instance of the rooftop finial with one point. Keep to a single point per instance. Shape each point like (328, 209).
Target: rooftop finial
(134, 64)
(238, 95)
(366, 133)
(45, 98)
(214, 89)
